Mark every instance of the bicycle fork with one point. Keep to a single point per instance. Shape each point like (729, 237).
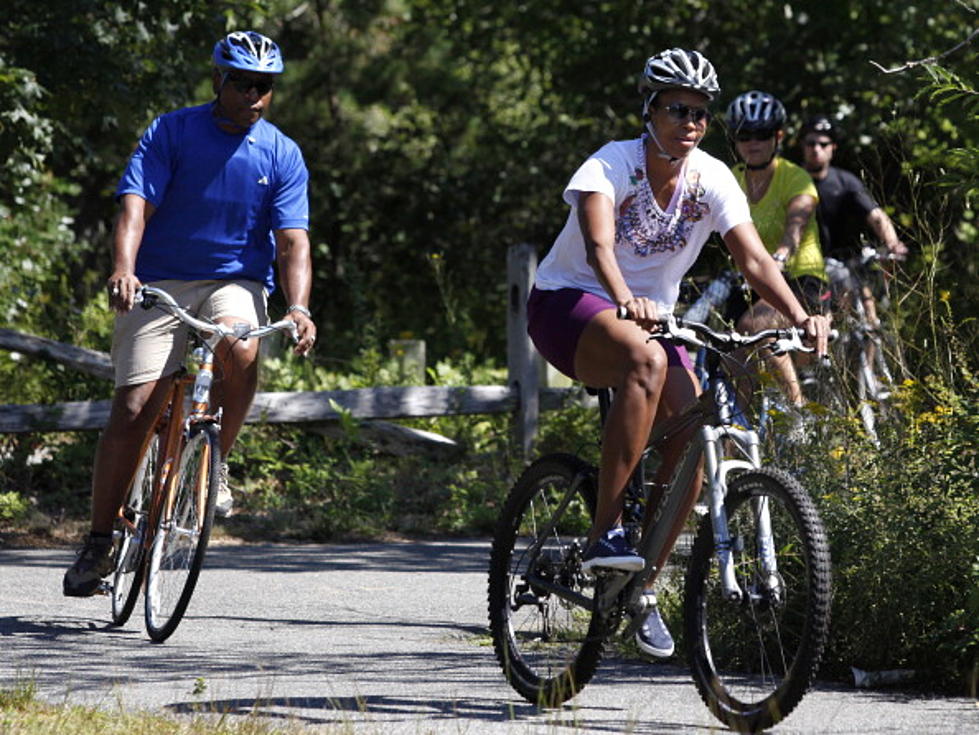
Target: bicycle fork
(724, 546)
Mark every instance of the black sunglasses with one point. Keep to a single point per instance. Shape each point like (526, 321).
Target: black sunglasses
(743, 136)
(680, 113)
(243, 85)
(818, 143)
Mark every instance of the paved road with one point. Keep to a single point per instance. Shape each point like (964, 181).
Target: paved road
(377, 638)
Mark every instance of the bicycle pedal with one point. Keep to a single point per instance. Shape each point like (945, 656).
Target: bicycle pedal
(528, 598)
(104, 588)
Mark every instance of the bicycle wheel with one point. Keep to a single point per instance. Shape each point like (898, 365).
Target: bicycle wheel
(753, 659)
(130, 533)
(181, 538)
(546, 638)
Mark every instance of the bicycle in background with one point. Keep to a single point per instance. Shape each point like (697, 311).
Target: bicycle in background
(757, 587)
(869, 363)
(164, 524)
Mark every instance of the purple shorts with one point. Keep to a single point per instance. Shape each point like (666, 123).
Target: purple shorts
(556, 319)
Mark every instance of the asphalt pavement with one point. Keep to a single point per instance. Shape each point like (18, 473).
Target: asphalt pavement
(371, 638)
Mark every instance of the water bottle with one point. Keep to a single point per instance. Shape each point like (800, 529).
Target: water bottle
(714, 295)
(202, 385)
(205, 375)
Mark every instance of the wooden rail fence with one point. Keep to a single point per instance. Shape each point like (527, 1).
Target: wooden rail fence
(522, 396)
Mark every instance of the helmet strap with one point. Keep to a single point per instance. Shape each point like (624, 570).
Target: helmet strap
(648, 120)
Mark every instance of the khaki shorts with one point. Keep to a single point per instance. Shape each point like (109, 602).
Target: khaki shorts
(149, 344)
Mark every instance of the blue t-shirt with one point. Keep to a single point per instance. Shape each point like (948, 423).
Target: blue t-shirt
(218, 197)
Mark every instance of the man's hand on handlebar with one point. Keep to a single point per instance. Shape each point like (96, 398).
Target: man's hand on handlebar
(122, 288)
(305, 332)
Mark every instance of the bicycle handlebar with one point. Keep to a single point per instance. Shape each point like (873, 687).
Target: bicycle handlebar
(149, 296)
(700, 335)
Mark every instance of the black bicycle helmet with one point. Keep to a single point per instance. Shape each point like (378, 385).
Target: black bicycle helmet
(755, 110)
(821, 124)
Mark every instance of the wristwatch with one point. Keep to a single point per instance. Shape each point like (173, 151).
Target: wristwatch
(780, 257)
(300, 308)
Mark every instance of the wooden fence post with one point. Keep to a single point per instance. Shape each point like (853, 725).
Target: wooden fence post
(521, 355)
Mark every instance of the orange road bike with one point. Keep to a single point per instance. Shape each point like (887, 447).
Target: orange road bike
(164, 524)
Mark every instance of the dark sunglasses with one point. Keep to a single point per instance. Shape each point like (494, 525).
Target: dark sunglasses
(243, 85)
(743, 136)
(818, 143)
(680, 113)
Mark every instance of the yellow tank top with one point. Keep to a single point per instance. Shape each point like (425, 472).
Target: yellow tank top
(768, 214)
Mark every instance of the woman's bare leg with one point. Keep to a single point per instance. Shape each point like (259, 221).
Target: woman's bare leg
(617, 354)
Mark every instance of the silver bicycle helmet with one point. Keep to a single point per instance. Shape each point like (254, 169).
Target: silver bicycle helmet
(755, 110)
(248, 51)
(678, 68)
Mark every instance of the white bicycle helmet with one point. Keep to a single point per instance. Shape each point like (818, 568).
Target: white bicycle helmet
(675, 68)
(678, 68)
(755, 110)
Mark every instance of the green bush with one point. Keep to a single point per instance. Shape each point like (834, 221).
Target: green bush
(13, 507)
(903, 523)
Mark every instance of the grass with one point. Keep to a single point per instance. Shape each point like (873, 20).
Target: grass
(23, 713)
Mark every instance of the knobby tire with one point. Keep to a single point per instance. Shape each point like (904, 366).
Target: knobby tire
(548, 647)
(754, 660)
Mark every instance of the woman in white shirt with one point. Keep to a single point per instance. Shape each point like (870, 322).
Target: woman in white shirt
(641, 210)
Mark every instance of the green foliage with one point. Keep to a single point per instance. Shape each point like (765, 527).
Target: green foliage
(25, 135)
(903, 521)
(13, 507)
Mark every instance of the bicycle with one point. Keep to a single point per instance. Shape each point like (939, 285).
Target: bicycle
(780, 424)
(164, 525)
(757, 590)
(868, 361)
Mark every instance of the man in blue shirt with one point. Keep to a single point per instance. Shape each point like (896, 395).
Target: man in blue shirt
(213, 196)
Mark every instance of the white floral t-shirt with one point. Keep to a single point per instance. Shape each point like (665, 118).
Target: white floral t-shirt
(653, 247)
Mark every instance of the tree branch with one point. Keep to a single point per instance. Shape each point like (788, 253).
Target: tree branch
(930, 59)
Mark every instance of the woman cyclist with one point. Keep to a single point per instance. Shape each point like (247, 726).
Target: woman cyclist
(782, 199)
(641, 211)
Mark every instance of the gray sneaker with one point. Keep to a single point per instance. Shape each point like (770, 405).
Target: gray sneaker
(96, 559)
(224, 506)
(654, 637)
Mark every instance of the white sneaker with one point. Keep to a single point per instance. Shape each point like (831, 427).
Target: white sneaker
(654, 637)
(225, 503)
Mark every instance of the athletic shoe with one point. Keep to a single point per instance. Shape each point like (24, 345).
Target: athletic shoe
(225, 504)
(612, 551)
(96, 559)
(654, 637)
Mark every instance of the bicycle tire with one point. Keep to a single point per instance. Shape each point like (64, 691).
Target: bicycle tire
(180, 543)
(753, 660)
(548, 647)
(130, 551)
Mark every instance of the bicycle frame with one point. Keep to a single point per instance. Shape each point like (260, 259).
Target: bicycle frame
(173, 424)
(712, 412)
